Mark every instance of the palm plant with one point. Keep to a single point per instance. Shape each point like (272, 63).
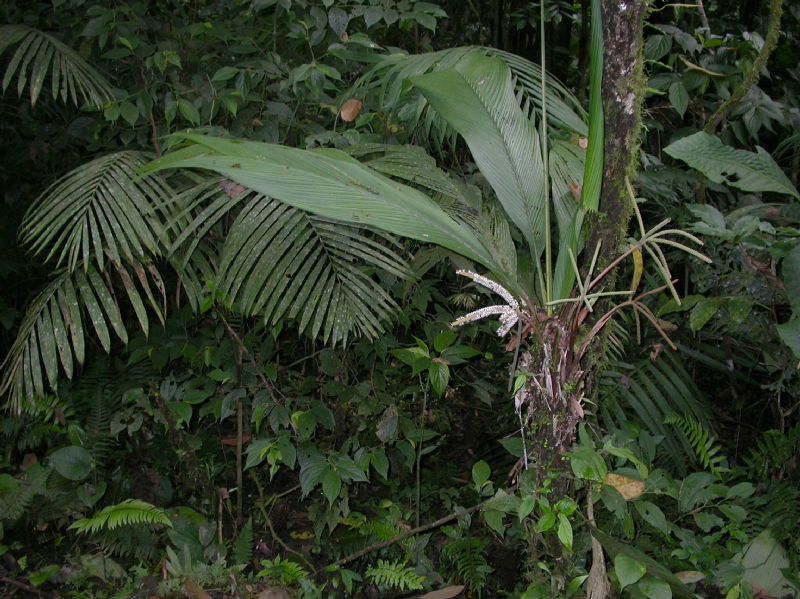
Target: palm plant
(306, 234)
(476, 96)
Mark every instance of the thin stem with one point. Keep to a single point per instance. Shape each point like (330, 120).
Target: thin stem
(548, 250)
(770, 42)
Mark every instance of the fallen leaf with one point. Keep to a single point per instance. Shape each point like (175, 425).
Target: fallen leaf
(274, 593)
(629, 488)
(349, 110)
(445, 593)
(193, 591)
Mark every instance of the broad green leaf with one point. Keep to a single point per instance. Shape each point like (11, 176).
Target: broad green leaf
(494, 519)
(749, 171)
(477, 99)
(652, 588)
(73, 462)
(480, 473)
(790, 335)
(331, 184)
(653, 515)
(331, 485)
(703, 311)
(564, 532)
(679, 97)
(444, 340)
(628, 570)
(546, 522)
(526, 506)
(439, 374)
(588, 464)
(188, 111)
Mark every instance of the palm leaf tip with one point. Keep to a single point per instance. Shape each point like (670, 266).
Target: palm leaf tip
(39, 55)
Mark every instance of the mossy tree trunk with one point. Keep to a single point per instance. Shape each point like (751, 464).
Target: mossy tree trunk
(623, 86)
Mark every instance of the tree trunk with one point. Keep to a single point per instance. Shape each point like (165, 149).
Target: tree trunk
(623, 85)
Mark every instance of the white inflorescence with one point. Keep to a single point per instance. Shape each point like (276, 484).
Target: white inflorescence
(509, 312)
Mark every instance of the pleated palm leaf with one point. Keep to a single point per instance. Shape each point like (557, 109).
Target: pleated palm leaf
(39, 55)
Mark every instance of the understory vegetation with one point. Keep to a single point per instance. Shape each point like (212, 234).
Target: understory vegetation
(397, 298)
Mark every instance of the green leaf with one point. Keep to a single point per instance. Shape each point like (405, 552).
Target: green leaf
(224, 74)
(188, 111)
(71, 77)
(458, 354)
(477, 99)
(526, 506)
(480, 473)
(749, 171)
(790, 334)
(39, 577)
(588, 464)
(494, 519)
(444, 340)
(331, 485)
(439, 374)
(653, 515)
(546, 522)
(74, 463)
(703, 311)
(628, 570)
(652, 588)
(312, 468)
(564, 532)
(328, 183)
(349, 470)
(679, 97)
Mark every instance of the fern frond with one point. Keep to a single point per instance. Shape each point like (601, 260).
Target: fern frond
(395, 575)
(284, 570)
(243, 545)
(773, 453)
(707, 451)
(468, 557)
(131, 512)
(16, 494)
(71, 77)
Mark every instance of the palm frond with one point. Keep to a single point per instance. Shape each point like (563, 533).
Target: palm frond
(101, 209)
(37, 54)
(53, 329)
(387, 80)
(131, 512)
(278, 261)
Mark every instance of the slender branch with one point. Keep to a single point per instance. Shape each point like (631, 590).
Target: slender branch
(410, 533)
(262, 506)
(23, 586)
(234, 335)
(770, 42)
